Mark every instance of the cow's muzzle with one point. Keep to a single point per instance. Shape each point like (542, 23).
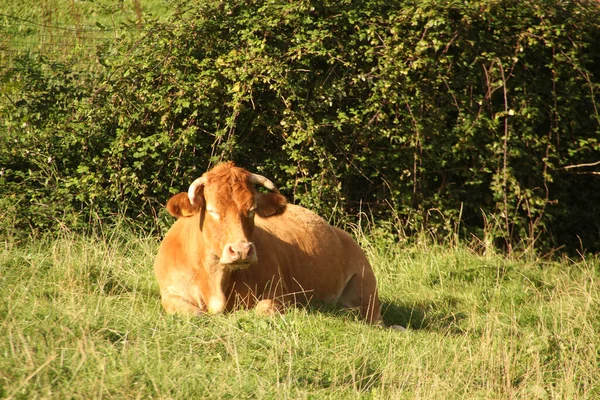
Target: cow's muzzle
(239, 254)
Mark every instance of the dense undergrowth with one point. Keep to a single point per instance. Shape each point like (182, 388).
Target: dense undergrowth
(479, 117)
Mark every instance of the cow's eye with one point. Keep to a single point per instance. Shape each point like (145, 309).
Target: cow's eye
(251, 212)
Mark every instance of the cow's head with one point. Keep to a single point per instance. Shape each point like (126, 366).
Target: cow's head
(227, 202)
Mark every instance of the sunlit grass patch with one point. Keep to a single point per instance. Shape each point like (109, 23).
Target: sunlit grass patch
(81, 317)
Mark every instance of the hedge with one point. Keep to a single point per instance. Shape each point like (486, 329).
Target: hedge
(475, 118)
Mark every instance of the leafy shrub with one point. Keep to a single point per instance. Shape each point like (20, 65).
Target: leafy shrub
(480, 114)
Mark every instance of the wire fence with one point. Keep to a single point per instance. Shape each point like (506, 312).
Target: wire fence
(79, 43)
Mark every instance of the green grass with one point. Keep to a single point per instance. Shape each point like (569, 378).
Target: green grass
(70, 13)
(67, 29)
(80, 317)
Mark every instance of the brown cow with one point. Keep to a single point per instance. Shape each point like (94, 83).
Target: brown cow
(233, 246)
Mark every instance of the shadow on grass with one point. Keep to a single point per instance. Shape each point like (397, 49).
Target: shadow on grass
(426, 315)
(439, 316)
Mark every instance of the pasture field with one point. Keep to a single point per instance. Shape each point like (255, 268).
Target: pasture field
(80, 317)
(70, 14)
(61, 29)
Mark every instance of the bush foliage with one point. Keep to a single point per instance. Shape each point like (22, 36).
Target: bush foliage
(476, 116)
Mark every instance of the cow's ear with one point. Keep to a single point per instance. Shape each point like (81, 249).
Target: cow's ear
(268, 204)
(180, 206)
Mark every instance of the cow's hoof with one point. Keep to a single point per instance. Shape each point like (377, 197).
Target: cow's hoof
(398, 328)
(265, 307)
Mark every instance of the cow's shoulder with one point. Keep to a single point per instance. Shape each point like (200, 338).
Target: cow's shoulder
(302, 227)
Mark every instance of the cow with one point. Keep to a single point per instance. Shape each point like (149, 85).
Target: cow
(234, 246)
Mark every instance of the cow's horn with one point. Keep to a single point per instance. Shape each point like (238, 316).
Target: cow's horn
(261, 180)
(194, 186)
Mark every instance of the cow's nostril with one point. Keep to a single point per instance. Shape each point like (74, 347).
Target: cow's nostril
(238, 252)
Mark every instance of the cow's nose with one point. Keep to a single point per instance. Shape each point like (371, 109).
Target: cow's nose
(240, 252)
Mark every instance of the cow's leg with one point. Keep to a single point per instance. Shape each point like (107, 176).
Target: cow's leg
(361, 292)
(361, 287)
(176, 304)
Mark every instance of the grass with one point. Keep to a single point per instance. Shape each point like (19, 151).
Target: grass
(67, 29)
(70, 14)
(81, 317)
